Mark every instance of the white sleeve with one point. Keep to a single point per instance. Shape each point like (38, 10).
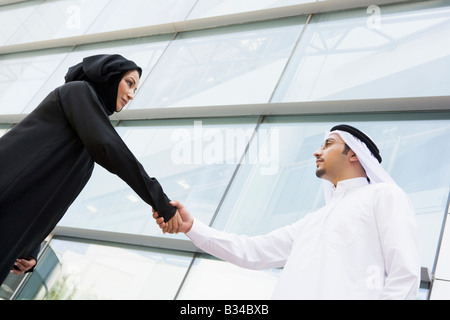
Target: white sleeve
(259, 252)
(400, 244)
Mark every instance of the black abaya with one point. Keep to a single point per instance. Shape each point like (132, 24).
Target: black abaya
(47, 159)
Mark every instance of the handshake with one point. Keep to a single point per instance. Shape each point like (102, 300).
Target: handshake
(182, 221)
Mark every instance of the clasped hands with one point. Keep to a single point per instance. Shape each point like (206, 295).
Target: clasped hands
(182, 221)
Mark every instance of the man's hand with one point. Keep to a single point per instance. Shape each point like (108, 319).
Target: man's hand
(23, 265)
(184, 220)
(174, 224)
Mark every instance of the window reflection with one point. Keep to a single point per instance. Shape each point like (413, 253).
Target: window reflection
(49, 20)
(346, 55)
(211, 8)
(120, 15)
(3, 129)
(238, 64)
(23, 74)
(72, 270)
(212, 279)
(144, 51)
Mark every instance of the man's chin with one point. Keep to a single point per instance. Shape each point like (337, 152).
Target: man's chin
(320, 173)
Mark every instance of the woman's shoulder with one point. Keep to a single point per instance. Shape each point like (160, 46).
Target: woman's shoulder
(79, 94)
(75, 85)
(76, 89)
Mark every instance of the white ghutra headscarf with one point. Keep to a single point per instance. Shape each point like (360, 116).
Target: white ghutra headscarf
(367, 152)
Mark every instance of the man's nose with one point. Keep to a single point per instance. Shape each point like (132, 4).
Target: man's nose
(317, 153)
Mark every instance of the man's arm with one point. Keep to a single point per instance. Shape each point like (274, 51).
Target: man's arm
(260, 252)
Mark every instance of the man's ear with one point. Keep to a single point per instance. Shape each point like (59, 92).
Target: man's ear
(353, 156)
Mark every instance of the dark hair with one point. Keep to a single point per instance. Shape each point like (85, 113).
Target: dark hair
(346, 149)
(361, 136)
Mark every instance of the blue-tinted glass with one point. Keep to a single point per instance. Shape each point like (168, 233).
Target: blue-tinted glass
(373, 52)
(230, 65)
(80, 270)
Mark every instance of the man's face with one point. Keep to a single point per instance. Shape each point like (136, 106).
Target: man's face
(330, 158)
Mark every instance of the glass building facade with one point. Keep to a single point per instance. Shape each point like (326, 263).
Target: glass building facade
(234, 98)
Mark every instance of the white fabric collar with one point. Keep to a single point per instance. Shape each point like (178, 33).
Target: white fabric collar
(352, 183)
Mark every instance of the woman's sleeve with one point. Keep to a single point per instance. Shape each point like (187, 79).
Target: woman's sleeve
(33, 254)
(85, 115)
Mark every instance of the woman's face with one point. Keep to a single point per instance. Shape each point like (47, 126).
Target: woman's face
(127, 89)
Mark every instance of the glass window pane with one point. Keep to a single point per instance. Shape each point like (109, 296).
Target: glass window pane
(120, 15)
(11, 18)
(395, 52)
(212, 279)
(260, 200)
(144, 51)
(79, 270)
(49, 19)
(193, 161)
(4, 128)
(211, 8)
(23, 74)
(59, 19)
(232, 65)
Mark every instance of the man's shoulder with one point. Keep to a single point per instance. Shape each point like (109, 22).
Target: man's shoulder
(386, 189)
(385, 186)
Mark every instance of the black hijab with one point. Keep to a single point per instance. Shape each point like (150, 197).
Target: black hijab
(104, 72)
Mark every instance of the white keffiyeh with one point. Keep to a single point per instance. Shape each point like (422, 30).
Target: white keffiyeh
(373, 168)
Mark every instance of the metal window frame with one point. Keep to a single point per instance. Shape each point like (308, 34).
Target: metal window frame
(197, 24)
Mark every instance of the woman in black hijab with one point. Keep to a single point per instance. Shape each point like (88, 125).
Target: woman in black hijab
(47, 158)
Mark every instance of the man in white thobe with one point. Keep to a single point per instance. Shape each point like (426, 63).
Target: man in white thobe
(362, 244)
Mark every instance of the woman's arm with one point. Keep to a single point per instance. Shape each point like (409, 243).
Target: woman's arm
(85, 115)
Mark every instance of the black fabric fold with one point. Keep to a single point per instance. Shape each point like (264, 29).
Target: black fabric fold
(47, 159)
